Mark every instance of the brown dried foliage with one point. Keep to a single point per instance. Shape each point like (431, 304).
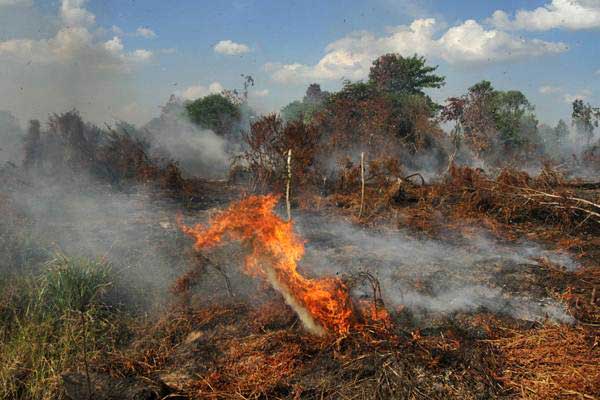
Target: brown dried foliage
(515, 197)
(268, 142)
(553, 362)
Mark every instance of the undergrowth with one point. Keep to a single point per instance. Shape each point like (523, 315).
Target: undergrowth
(55, 321)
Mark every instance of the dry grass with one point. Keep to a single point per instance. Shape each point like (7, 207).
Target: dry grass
(552, 362)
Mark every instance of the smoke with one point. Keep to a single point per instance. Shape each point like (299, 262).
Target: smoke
(11, 139)
(432, 276)
(78, 216)
(200, 152)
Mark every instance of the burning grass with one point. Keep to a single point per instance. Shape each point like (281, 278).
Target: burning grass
(323, 304)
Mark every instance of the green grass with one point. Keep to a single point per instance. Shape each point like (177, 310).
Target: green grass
(46, 321)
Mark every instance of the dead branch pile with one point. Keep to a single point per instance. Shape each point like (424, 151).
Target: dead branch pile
(515, 197)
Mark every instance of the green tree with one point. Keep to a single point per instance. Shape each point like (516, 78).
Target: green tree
(389, 112)
(406, 75)
(215, 112)
(494, 122)
(305, 109)
(294, 111)
(514, 118)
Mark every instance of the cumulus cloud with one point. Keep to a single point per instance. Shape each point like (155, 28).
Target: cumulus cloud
(145, 32)
(467, 43)
(141, 55)
(71, 69)
(231, 48)
(549, 89)
(564, 14)
(197, 91)
(115, 45)
(73, 13)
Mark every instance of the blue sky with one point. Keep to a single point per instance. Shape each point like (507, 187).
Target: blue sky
(122, 59)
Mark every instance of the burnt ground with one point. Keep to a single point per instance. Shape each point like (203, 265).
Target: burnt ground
(479, 308)
(476, 313)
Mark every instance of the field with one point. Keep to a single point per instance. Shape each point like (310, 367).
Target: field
(463, 286)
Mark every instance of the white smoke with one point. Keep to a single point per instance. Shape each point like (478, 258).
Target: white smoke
(428, 275)
(200, 152)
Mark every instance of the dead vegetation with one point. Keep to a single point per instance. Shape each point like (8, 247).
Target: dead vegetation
(552, 362)
(222, 345)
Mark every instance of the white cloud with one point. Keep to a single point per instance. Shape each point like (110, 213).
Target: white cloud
(467, 43)
(583, 95)
(71, 69)
(597, 72)
(116, 30)
(565, 14)
(550, 89)
(74, 14)
(197, 91)
(145, 32)
(115, 45)
(74, 44)
(141, 55)
(231, 48)
(470, 42)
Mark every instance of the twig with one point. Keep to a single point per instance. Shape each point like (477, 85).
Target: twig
(416, 174)
(85, 358)
(362, 181)
(287, 188)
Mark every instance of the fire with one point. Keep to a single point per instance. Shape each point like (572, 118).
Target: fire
(323, 305)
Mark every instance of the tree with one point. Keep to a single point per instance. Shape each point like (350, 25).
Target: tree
(514, 118)
(406, 75)
(215, 112)
(294, 111)
(314, 94)
(31, 145)
(585, 119)
(268, 142)
(494, 123)
(561, 132)
(305, 109)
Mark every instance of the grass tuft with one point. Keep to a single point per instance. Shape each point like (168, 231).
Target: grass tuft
(46, 322)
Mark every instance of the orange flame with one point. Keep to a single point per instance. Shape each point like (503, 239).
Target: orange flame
(323, 304)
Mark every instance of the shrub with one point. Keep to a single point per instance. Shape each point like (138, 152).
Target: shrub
(268, 143)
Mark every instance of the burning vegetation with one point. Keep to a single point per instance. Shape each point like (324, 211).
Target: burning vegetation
(411, 263)
(323, 305)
